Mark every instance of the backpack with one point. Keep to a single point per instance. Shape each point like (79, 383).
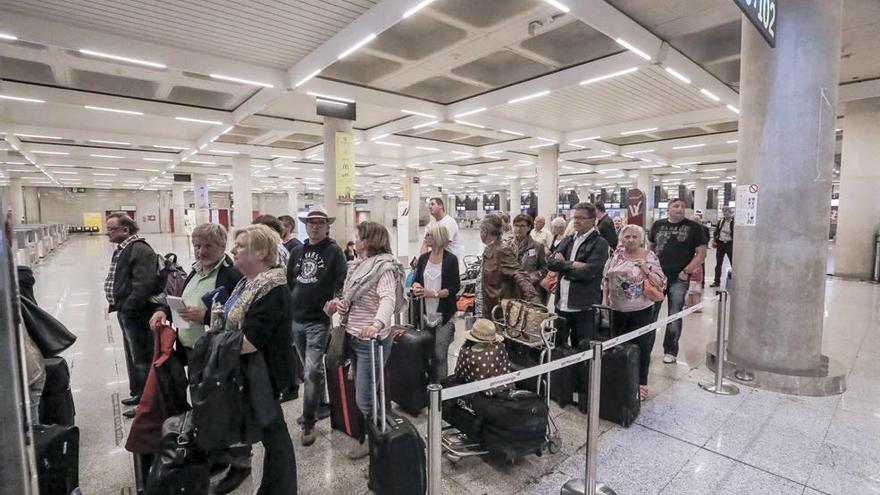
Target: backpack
(172, 277)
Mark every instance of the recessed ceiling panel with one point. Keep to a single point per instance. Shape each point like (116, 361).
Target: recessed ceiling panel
(200, 97)
(501, 68)
(115, 85)
(443, 135)
(361, 68)
(25, 70)
(441, 89)
(477, 140)
(557, 44)
(483, 13)
(418, 37)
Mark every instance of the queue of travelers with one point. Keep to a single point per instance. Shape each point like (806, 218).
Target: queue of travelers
(282, 295)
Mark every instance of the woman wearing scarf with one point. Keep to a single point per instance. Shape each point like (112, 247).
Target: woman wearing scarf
(373, 292)
(260, 308)
(624, 283)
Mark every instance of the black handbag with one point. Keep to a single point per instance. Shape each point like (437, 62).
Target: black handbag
(50, 335)
(180, 466)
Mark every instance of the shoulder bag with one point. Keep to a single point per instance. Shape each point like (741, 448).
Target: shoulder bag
(337, 345)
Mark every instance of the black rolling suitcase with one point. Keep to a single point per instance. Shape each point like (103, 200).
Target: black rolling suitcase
(514, 424)
(619, 401)
(344, 413)
(397, 450)
(181, 466)
(563, 382)
(56, 404)
(57, 450)
(409, 366)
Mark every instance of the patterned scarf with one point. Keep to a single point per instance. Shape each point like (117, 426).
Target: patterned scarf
(111, 274)
(366, 275)
(248, 291)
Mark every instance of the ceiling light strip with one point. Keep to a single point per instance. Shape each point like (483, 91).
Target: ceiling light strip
(198, 121)
(240, 80)
(307, 78)
(710, 95)
(629, 46)
(420, 114)
(357, 45)
(470, 112)
(678, 75)
(558, 5)
(529, 97)
(119, 58)
(113, 110)
(21, 98)
(609, 76)
(689, 146)
(639, 131)
(419, 6)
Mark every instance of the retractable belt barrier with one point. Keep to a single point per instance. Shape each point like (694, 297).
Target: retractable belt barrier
(589, 484)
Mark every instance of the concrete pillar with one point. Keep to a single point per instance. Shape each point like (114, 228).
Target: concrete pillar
(293, 203)
(480, 211)
(858, 214)
(242, 200)
(645, 183)
(342, 229)
(178, 202)
(515, 196)
(700, 196)
(16, 201)
(200, 198)
(260, 200)
(548, 180)
(786, 148)
(503, 207)
(377, 210)
(415, 203)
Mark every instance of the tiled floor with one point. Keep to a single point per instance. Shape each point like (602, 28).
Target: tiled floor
(685, 441)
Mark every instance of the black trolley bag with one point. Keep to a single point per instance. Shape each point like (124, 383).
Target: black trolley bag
(57, 452)
(56, 404)
(514, 424)
(619, 401)
(409, 366)
(397, 450)
(563, 382)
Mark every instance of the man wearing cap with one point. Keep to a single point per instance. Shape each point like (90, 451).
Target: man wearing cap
(315, 274)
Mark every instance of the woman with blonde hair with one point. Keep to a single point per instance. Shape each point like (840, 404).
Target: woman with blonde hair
(437, 281)
(627, 274)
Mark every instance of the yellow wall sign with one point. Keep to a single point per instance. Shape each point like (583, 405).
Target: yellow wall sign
(93, 219)
(345, 167)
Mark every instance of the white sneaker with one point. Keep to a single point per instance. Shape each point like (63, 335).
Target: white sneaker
(669, 359)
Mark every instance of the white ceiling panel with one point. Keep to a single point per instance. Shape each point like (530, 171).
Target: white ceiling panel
(645, 94)
(271, 33)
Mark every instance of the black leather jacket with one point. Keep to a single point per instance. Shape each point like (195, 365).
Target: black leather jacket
(586, 282)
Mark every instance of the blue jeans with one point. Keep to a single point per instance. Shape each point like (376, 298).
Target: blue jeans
(363, 379)
(442, 338)
(676, 290)
(310, 340)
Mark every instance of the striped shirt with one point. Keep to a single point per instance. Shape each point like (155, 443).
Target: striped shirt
(377, 304)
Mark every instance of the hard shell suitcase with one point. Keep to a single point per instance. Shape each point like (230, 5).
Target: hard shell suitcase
(563, 382)
(409, 369)
(56, 404)
(344, 413)
(397, 450)
(57, 451)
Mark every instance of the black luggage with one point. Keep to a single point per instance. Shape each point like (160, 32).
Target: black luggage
(344, 413)
(619, 402)
(57, 451)
(563, 382)
(514, 424)
(180, 467)
(397, 450)
(56, 404)
(409, 365)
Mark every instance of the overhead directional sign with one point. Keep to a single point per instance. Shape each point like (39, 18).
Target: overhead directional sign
(763, 14)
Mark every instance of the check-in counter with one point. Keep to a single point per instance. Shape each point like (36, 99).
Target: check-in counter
(25, 242)
(44, 241)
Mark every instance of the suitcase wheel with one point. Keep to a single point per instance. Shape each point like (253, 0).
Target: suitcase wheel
(555, 444)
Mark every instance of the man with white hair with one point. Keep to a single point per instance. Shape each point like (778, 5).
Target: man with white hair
(540, 232)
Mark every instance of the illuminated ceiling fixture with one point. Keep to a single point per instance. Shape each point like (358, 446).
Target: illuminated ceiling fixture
(529, 97)
(168, 147)
(603, 155)
(420, 114)
(709, 94)
(558, 5)
(340, 103)
(36, 136)
(198, 121)
(684, 164)
(678, 75)
(113, 110)
(283, 156)
(305, 79)
(638, 152)
(37, 152)
(540, 145)
(137, 61)
(470, 112)
(21, 98)
(120, 143)
(221, 152)
(158, 159)
(329, 97)
(639, 131)
(426, 124)
(9, 37)
(108, 156)
(622, 42)
(419, 6)
(733, 109)
(426, 148)
(512, 133)
(386, 143)
(470, 124)
(609, 76)
(240, 80)
(689, 146)
(359, 44)
(591, 138)
(733, 141)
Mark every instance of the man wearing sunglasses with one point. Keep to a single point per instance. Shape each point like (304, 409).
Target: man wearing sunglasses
(315, 275)
(579, 259)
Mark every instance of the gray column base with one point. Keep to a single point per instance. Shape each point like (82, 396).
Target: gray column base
(828, 379)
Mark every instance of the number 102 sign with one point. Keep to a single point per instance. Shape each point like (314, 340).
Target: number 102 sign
(763, 14)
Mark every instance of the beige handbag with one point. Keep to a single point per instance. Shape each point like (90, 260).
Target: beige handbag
(523, 319)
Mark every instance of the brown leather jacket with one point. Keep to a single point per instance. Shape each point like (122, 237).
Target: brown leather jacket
(504, 278)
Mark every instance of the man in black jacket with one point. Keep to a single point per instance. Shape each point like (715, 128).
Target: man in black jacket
(723, 240)
(605, 226)
(130, 283)
(316, 273)
(580, 261)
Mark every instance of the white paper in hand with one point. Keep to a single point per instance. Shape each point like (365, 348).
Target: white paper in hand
(176, 304)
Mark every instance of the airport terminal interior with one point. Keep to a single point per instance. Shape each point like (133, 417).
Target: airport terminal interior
(758, 119)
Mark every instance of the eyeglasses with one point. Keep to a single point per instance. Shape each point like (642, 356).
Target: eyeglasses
(583, 218)
(314, 223)
(114, 229)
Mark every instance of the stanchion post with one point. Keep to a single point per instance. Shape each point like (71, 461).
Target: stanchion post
(718, 386)
(434, 446)
(589, 484)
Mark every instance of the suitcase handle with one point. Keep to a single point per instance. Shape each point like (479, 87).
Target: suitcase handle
(380, 400)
